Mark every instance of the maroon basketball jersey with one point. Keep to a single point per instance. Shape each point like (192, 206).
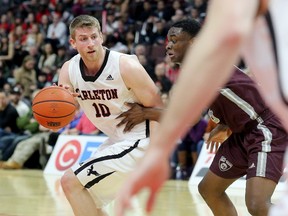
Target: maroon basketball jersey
(238, 104)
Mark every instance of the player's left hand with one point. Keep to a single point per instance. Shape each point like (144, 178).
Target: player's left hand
(151, 174)
(68, 89)
(131, 117)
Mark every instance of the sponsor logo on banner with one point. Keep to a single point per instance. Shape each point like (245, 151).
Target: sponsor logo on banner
(68, 155)
(70, 150)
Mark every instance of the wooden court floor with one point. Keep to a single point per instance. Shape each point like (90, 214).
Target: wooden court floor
(30, 193)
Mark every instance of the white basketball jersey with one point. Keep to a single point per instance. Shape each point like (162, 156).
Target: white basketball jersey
(102, 97)
(266, 54)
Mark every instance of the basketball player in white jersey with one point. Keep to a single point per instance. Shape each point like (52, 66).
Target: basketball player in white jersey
(104, 80)
(252, 29)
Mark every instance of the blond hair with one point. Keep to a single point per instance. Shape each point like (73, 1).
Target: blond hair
(81, 22)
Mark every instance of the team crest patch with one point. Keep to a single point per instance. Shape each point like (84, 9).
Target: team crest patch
(224, 164)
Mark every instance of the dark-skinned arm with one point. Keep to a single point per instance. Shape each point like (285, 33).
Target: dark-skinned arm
(137, 114)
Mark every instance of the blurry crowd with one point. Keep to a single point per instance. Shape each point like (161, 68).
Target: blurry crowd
(34, 43)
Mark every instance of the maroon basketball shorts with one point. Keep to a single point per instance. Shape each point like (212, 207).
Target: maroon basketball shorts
(258, 152)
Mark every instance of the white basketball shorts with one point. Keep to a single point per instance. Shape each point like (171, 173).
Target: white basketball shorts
(105, 172)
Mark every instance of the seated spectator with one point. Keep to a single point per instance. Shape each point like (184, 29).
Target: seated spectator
(26, 76)
(34, 38)
(57, 31)
(8, 116)
(25, 149)
(28, 126)
(48, 56)
(16, 100)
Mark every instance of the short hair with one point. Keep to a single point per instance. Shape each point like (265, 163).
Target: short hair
(190, 26)
(82, 21)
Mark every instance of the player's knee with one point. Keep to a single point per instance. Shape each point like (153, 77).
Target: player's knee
(202, 188)
(69, 181)
(257, 207)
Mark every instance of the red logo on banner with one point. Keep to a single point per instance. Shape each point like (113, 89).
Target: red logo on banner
(68, 155)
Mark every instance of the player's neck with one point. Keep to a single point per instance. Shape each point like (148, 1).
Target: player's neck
(91, 68)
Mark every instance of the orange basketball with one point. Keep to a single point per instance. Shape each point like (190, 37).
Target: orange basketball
(54, 107)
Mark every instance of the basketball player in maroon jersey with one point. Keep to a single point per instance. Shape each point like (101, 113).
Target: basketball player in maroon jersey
(241, 25)
(256, 146)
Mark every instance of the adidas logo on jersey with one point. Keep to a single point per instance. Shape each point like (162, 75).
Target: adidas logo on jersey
(109, 77)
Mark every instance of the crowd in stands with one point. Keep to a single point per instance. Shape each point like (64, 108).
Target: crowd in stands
(34, 43)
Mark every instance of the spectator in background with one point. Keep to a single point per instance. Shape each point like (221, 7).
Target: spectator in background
(48, 56)
(49, 72)
(3, 80)
(163, 11)
(34, 38)
(44, 25)
(140, 49)
(159, 32)
(162, 81)
(61, 56)
(114, 44)
(8, 121)
(42, 80)
(25, 148)
(179, 15)
(172, 69)
(18, 37)
(146, 11)
(16, 100)
(148, 67)
(27, 125)
(188, 149)
(130, 41)
(7, 51)
(28, 22)
(26, 76)
(8, 116)
(57, 31)
(83, 127)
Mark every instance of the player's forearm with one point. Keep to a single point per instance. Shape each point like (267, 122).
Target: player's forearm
(153, 113)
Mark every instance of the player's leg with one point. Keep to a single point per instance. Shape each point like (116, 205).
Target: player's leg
(79, 197)
(95, 183)
(258, 199)
(212, 188)
(228, 165)
(265, 151)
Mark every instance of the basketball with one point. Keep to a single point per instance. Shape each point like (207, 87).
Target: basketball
(53, 107)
